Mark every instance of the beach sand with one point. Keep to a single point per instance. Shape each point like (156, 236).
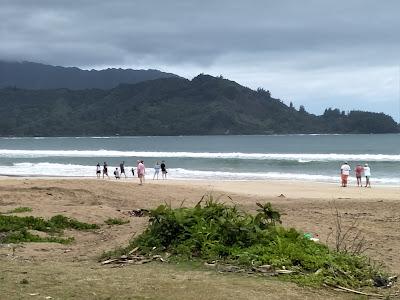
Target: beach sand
(309, 207)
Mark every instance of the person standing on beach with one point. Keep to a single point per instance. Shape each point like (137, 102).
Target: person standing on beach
(116, 174)
(137, 167)
(133, 172)
(122, 168)
(105, 170)
(359, 169)
(98, 170)
(367, 174)
(141, 170)
(156, 170)
(163, 170)
(345, 172)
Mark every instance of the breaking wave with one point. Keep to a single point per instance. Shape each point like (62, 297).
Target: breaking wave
(302, 157)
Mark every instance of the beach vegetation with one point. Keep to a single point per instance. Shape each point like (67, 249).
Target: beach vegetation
(20, 209)
(216, 233)
(15, 229)
(116, 221)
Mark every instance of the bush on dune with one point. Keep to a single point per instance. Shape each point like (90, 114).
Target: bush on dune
(213, 231)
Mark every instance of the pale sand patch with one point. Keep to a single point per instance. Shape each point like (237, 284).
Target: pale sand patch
(294, 189)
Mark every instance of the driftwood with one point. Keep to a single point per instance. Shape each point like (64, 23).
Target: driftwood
(133, 259)
(343, 289)
(141, 212)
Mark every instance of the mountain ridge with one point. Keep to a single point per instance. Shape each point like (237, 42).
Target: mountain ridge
(32, 75)
(205, 105)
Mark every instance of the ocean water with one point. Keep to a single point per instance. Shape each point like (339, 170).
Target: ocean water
(288, 157)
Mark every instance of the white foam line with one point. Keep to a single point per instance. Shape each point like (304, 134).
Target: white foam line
(303, 157)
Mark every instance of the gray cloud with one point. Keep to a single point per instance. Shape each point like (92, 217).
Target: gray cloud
(317, 53)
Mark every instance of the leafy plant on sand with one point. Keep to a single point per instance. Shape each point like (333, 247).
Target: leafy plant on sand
(116, 221)
(14, 229)
(213, 231)
(20, 209)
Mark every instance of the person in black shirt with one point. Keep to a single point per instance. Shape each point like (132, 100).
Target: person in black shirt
(122, 167)
(105, 170)
(163, 170)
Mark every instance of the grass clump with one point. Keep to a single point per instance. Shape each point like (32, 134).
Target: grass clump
(116, 221)
(217, 232)
(14, 229)
(20, 209)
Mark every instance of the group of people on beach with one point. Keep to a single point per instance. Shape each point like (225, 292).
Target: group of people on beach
(140, 170)
(359, 171)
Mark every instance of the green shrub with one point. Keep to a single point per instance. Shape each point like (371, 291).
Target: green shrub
(215, 231)
(15, 229)
(116, 221)
(20, 209)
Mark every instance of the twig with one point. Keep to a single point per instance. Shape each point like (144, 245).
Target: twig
(357, 292)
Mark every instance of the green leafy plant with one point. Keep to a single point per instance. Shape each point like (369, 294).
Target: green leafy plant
(116, 221)
(20, 209)
(14, 229)
(213, 231)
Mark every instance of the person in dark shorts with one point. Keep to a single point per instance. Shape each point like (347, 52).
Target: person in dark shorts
(116, 174)
(105, 170)
(98, 170)
(367, 174)
(122, 168)
(163, 170)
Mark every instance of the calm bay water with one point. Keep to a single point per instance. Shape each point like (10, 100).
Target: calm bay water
(292, 157)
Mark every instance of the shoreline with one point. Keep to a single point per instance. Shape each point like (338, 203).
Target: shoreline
(285, 189)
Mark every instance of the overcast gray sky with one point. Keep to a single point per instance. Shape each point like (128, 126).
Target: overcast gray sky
(317, 53)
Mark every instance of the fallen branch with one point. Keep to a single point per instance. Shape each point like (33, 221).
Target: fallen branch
(341, 288)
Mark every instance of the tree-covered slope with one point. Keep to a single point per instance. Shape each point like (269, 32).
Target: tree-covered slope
(29, 75)
(171, 106)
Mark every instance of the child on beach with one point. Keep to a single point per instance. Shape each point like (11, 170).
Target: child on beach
(116, 174)
(98, 170)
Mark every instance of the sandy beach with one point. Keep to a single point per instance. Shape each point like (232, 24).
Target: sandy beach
(306, 206)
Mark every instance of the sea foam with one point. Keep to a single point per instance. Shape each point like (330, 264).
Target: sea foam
(300, 157)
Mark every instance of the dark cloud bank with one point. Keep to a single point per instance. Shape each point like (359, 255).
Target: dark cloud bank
(316, 53)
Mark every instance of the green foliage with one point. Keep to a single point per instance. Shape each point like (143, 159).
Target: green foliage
(215, 231)
(24, 236)
(116, 221)
(14, 229)
(21, 209)
(170, 106)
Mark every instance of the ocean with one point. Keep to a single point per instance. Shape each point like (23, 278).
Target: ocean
(311, 157)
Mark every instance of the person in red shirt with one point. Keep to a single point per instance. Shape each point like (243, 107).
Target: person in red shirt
(359, 169)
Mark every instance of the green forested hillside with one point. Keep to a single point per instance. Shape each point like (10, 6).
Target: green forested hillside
(170, 106)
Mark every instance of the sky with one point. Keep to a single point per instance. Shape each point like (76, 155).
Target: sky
(316, 53)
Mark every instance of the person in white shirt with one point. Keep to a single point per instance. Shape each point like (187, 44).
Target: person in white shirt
(367, 174)
(116, 174)
(345, 172)
(98, 170)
